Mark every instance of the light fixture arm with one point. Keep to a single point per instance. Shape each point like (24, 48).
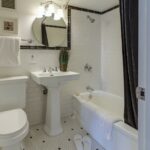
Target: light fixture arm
(67, 4)
(50, 2)
(51, 8)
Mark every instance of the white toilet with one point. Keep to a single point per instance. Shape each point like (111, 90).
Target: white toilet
(14, 124)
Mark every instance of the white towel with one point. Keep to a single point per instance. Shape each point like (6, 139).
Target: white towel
(9, 51)
(97, 121)
(108, 120)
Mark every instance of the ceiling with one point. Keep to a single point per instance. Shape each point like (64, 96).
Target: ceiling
(31, 6)
(99, 5)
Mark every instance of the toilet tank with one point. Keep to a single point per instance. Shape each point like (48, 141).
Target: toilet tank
(13, 92)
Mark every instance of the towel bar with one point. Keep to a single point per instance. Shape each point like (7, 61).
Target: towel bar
(27, 40)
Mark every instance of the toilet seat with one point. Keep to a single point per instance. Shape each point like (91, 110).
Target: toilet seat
(14, 126)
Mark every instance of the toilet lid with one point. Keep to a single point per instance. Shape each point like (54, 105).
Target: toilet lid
(12, 121)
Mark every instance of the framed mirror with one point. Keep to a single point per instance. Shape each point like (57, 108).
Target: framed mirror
(51, 34)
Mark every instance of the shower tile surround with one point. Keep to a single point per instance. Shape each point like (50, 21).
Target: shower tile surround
(87, 51)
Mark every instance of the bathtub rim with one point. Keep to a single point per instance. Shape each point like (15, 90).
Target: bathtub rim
(120, 125)
(96, 92)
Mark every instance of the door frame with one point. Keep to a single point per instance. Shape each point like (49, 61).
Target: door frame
(144, 74)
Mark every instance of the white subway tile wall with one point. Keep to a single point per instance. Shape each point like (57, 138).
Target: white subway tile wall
(111, 53)
(86, 48)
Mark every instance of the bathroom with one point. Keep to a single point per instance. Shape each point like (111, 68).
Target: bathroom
(63, 105)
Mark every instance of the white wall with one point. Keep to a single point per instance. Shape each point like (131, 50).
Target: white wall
(86, 37)
(87, 41)
(35, 107)
(25, 13)
(85, 49)
(111, 53)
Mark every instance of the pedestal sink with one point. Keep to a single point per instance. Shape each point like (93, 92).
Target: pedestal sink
(53, 81)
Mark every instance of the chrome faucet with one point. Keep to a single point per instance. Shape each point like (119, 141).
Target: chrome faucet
(56, 69)
(44, 69)
(90, 89)
(51, 69)
(88, 67)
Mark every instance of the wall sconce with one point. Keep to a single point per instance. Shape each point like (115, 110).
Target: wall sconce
(50, 8)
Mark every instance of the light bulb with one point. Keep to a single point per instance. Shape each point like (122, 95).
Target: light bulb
(60, 13)
(57, 17)
(40, 12)
(48, 13)
(51, 9)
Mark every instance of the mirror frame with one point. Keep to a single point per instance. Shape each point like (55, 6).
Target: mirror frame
(27, 47)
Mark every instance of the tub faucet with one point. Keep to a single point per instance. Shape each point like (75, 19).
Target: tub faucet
(88, 67)
(51, 69)
(44, 69)
(90, 89)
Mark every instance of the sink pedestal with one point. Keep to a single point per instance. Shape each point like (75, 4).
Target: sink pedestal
(53, 82)
(53, 119)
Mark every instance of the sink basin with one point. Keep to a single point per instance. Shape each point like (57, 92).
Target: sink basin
(42, 74)
(53, 81)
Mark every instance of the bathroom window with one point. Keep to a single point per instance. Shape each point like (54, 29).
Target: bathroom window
(8, 4)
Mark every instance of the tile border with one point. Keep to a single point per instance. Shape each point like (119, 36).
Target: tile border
(84, 9)
(93, 11)
(110, 9)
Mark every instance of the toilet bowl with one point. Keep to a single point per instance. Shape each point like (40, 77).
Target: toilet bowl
(14, 124)
(14, 127)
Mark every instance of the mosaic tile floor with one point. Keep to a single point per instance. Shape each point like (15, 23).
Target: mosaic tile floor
(38, 140)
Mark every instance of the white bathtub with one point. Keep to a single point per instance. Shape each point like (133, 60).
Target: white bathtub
(123, 136)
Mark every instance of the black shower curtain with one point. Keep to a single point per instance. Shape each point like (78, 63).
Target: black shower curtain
(129, 27)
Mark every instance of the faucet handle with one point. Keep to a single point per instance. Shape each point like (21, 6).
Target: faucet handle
(88, 67)
(57, 69)
(88, 88)
(44, 69)
(53, 69)
(50, 69)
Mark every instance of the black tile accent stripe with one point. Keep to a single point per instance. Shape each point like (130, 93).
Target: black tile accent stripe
(110, 9)
(61, 27)
(69, 28)
(29, 47)
(93, 11)
(84, 9)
